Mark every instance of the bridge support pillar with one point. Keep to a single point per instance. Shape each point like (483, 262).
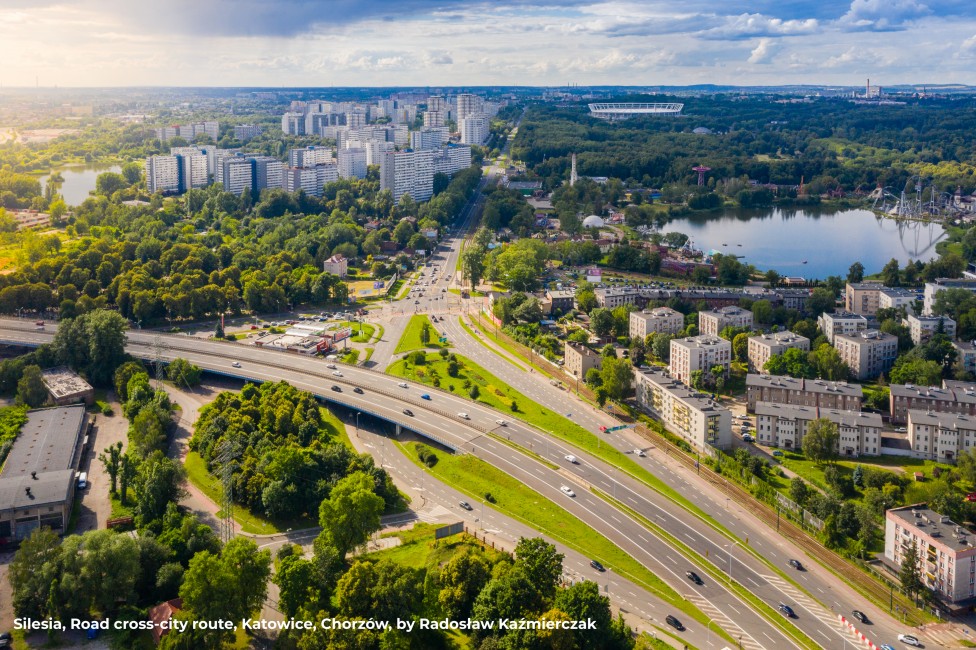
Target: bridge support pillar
(397, 430)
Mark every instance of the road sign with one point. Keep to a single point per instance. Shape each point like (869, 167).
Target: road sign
(617, 428)
(443, 339)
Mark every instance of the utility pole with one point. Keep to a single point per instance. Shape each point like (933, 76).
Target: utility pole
(227, 461)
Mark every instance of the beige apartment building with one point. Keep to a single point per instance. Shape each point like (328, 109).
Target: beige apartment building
(698, 353)
(803, 392)
(689, 414)
(660, 320)
(714, 321)
(784, 425)
(940, 436)
(577, 359)
(763, 346)
(862, 298)
(868, 353)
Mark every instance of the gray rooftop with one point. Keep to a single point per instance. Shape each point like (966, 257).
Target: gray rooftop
(797, 412)
(47, 489)
(935, 525)
(899, 292)
(62, 382)
(866, 336)
(843, 315)
(785, 336)
(865, 286)
(46, 443)
(699, 401)
(942, 420)
(950, 391)
(808, 385)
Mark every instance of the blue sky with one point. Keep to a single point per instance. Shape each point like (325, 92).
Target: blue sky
(448, 42)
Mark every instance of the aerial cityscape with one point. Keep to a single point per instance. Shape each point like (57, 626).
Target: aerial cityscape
(489, 326)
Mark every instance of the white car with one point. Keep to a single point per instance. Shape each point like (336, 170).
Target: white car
(336, 373)
(908, 639)
(403, 384)
(639, 452)
(236, 364)
(501, 423)
(331, 366)
(464, 416)
(571, 458)
(568, 491)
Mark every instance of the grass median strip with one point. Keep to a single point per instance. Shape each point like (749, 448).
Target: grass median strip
(756, 603)
(482, 341)
(511, 497)
(411, 336)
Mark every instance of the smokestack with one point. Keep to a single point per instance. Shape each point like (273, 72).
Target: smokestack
(867, 89)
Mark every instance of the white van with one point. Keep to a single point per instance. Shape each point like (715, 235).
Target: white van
(82, 480)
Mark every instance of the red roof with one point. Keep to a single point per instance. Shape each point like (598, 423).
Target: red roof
(163, 612)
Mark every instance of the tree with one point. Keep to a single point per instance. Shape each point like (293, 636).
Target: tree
(33, 571)
(31, 389)
(351, 513)
(799, 491)
(123, 374)
(586, 300)
(617, 377)
(295, 578)
(740, 346)
(910, 574)
(820, 441)
(821, 300)
(855, 273)
(425, 333)
(109, 183)
(183, 373)
(461, 580)
(159, 481)
(910, 369)
(662, 346)
(251, 568)
(475, 392)
(541, 564)
(601, 321)
(93, 343)
(112, 459)
(828, 364)
(890, 275)
(794, 362)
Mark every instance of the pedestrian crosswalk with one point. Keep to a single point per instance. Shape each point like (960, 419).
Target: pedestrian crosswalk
(726, 623)
(795, 597)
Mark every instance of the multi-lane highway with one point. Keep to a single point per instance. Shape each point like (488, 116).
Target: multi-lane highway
(384, 398)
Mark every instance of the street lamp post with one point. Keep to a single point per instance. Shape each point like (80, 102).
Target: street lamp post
(730, 546)
(708, 631)
(357, 423)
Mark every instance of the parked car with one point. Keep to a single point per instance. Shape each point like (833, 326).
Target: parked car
(568, 491)
(796, 565)
(82, 480)
(859, 615)
(674, 622)
(787, 610)
(746, 437)
(408, 412)
(596, 565)
(908, 639)
(466, 505)
(571, 458)
(694, 577)
(777, 453)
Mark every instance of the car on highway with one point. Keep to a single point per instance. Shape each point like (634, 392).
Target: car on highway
(572, 459)
(596, 565)
(336, 389)
(403, 384)
(357, 390)
(425, 396)
(694, 577)
(331, 366)
(236, 364)
(787, 610)
(408, 412)
(39, 323)
(463, 415)
(885, 647)
(501, 423)
(336, 373)
(465, 505)
(796, 565)
(859, 615)
(568, 491)
(908, 639)
(674, 622)
(639, 452)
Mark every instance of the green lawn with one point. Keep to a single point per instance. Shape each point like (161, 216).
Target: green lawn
(335, 427)
(350, 356)
(419, 549)
(119, 510)
(511, 497)
(357, 337)
(411, 335)
(197, 474)
(379, 334)
(481, 340)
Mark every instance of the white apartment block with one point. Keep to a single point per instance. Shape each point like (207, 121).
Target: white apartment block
(434, 119)
(868, 353)
(451, 159)
(474, 129)
(841, 323)
(764, 346)
(437, 103)
(336, 265)
(293, 123)
(375, 150)
(162, 174)
(966, 351)
(310, 179)
(467, 104)
(862, 297)
(408, 172)
(696, 418)
(245, 132)
(895, 297)
(713, 322)
(946, 551)
(663, 320)
(922, 328)
(698, 353)
(784, 425)
(352, 163)
(310, 156)
(428, 138)
(933, 288)
(940, 436)
(355, 119)
(838, 395)
(193, 171)
(237, 174)
(189, 131)
(269, 173)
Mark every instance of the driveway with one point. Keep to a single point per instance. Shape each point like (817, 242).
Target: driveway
(94, 505)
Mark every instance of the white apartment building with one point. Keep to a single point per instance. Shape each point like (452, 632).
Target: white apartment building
(940, 436)
(434, 119)
(428, 138)
(946, 551)
(713, 322)
(841, 323)
(336, 265)
(352, 163)
(310, 156)
(922, 328)
(660, 320)
(237, 173)
(966, 351)
(269, 172)
(162, 174)
(691, 415)
(784, 425)
(375, 150)
(245, 132)
(474, 128)
(193, 171)
(310, 179)
(189, 131)
(698, 353)
(437, 103)
(894, 297)
(451, 159)
(293, 123)
(408, 172)
(933, 288)
(467, 104)
(355, 119)
(868, 353)
(764, 346)
(838, 395)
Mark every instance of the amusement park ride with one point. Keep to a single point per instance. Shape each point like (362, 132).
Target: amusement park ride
(918, 200)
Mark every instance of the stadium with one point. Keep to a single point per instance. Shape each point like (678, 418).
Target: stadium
(624, 111)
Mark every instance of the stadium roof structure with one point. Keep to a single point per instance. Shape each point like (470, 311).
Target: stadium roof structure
(606, 111)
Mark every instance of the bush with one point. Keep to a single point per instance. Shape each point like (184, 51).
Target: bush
(489, 498)
(426, 455)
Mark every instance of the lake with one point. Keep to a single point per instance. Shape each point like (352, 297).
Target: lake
(829, 241)
(79, 180)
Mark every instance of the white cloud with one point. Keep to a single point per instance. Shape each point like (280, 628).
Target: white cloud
(882, 15)
(764, 51)
(752, 25)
